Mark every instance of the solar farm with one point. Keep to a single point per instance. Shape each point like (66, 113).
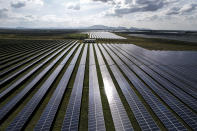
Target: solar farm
(68, 85)
(104, 35)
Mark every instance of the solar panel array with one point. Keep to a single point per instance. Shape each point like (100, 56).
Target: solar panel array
(48, 115)
(35, 76)
(104, 35)
(143, 117)
(13, 102)
(119, 115)
(182, 91)
(14, 85)
(168, 119)
(95, 112)
(71, 120)
(23, 116)
(184, 112)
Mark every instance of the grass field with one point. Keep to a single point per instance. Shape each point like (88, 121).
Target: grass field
(36, 34)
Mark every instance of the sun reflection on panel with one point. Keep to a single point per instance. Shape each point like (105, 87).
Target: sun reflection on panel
(108, 90)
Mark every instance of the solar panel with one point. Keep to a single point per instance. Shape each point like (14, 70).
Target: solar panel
(169, 71)
(42, 52)
(189, 117)
(83, 58)
(95, 112)
(22, 70)
(30, 54)
(167, 118)
(22, 51)
(189, 72)
(143, 117)
(109, 60)
(169, 90)
(14, 85)
(104, 35)
(91, 60)
(71, 119)
(119, 115)
(172, 88)
(27, 111)
(50, 110)
(176, 91)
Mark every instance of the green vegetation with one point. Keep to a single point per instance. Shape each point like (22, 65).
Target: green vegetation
(42, 34)
(31, 37)
(76, 36)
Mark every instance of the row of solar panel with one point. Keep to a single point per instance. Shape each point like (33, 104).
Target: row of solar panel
(177, 87)
(50, 111)
(24, 60)
(167, 71)
(141, 114)
(12, 103)
(104, 35)
(175, 104)
(95, 112)
(167, 118)
(29, 55)
(11, 50)
(18, 51)
(15, 84)
(7, 71)
(147, 80)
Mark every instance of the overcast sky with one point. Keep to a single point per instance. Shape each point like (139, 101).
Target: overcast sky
(153, 14)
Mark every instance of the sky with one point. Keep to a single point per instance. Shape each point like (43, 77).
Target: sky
(151, 14)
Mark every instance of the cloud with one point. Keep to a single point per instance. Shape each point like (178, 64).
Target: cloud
(173, 11)
(35, 2)
(3, 13)
(73, 6)
(102, 0)
(18, 4)
(24, 3)
(188, 8)
(138, 13)
(119, 8)
(122, 7)
(182, 10)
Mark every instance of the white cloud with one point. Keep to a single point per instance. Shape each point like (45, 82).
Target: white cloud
(122, 7)
(3, 13)
(188, 8)
(35, 2)
(72, 5)
(18, 4)
(26, 3)
(138, 13)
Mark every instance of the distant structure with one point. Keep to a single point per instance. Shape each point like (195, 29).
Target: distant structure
(89, 40)
(104, 35)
